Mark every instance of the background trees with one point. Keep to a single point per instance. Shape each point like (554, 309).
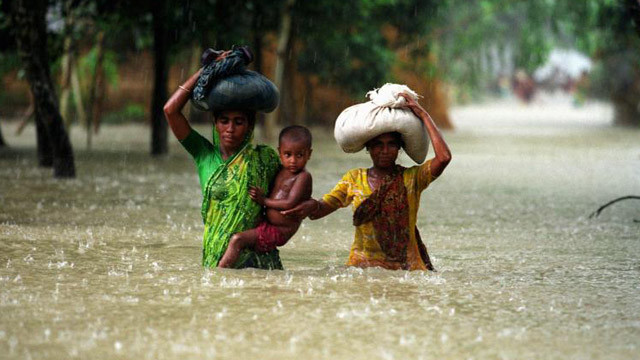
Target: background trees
(612, 31)
(521, 34)
(29, 27)
(325, 55)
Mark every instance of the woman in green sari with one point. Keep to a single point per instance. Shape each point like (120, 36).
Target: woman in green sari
(226, 169)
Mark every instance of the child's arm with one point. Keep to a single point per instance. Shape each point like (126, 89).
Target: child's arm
(300, 191)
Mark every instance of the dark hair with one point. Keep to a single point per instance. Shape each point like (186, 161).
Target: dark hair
(251, 115)
(296, 133)
(395, 134)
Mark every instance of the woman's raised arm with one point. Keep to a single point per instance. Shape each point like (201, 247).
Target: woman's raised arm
(173, 108)
(443, 154)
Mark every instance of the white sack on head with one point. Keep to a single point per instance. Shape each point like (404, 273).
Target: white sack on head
(385, 112)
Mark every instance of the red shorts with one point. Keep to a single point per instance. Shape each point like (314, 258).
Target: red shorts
(269, 237)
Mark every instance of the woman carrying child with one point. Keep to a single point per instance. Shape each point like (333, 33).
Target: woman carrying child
(227, 168)
(292, 185)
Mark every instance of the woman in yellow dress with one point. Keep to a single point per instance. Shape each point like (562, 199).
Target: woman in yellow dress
(385, 200)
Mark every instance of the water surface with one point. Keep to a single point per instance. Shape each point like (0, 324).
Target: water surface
(108, 265)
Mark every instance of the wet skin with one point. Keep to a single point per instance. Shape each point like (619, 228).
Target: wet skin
(383, 150)
(232, 127)
(291, 186)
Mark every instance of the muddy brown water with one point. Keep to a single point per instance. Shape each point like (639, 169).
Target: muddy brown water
(108, 265)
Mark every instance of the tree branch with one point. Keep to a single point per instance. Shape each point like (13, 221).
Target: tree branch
(597, 212)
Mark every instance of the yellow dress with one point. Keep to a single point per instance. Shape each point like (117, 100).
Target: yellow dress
(353, 189)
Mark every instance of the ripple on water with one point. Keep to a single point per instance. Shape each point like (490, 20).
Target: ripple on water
(108, 265)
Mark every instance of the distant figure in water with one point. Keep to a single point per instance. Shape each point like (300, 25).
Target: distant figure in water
(523, 86)
(581, 89)
(292, 185)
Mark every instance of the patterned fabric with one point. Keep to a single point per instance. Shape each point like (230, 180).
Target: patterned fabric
(366, 249)
(388, 209)
(423, 251)
(235, 63)
(269, 237)
(226, 206)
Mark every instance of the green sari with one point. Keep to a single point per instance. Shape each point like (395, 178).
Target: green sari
(226, 206)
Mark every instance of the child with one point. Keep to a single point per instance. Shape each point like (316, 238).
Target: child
(291, 186)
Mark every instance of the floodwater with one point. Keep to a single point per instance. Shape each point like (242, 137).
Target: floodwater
(108, 265)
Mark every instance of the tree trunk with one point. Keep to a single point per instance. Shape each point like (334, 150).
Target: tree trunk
(65, 84)
(625, 110)
(194, 115)
(633, 8)
(77, 100)
(65, 76)
(159, 133)
(44, 146)
(622, 84)
(256, 27)
(271, 122)
(96, 90)
(29, 25)
(257, 32)
(28, 114)
(289, 97)
(70, 81)
(627, 103)
(2, 143)
(306, 103)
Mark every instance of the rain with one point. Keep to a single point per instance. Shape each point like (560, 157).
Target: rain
(107, 262)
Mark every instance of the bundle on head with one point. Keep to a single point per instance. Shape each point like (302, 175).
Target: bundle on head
(384, 113)
(226, 84)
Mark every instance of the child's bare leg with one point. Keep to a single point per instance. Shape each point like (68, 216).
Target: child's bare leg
(237, 243)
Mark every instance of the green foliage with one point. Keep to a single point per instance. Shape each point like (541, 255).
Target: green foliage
(87, 64)
(605, 30)
(412, 18)
(6, 42)
(8, 62)
(132, 112)
(343, 43)
(474, 26)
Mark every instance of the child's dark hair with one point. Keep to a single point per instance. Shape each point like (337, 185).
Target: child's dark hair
(296, 133)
